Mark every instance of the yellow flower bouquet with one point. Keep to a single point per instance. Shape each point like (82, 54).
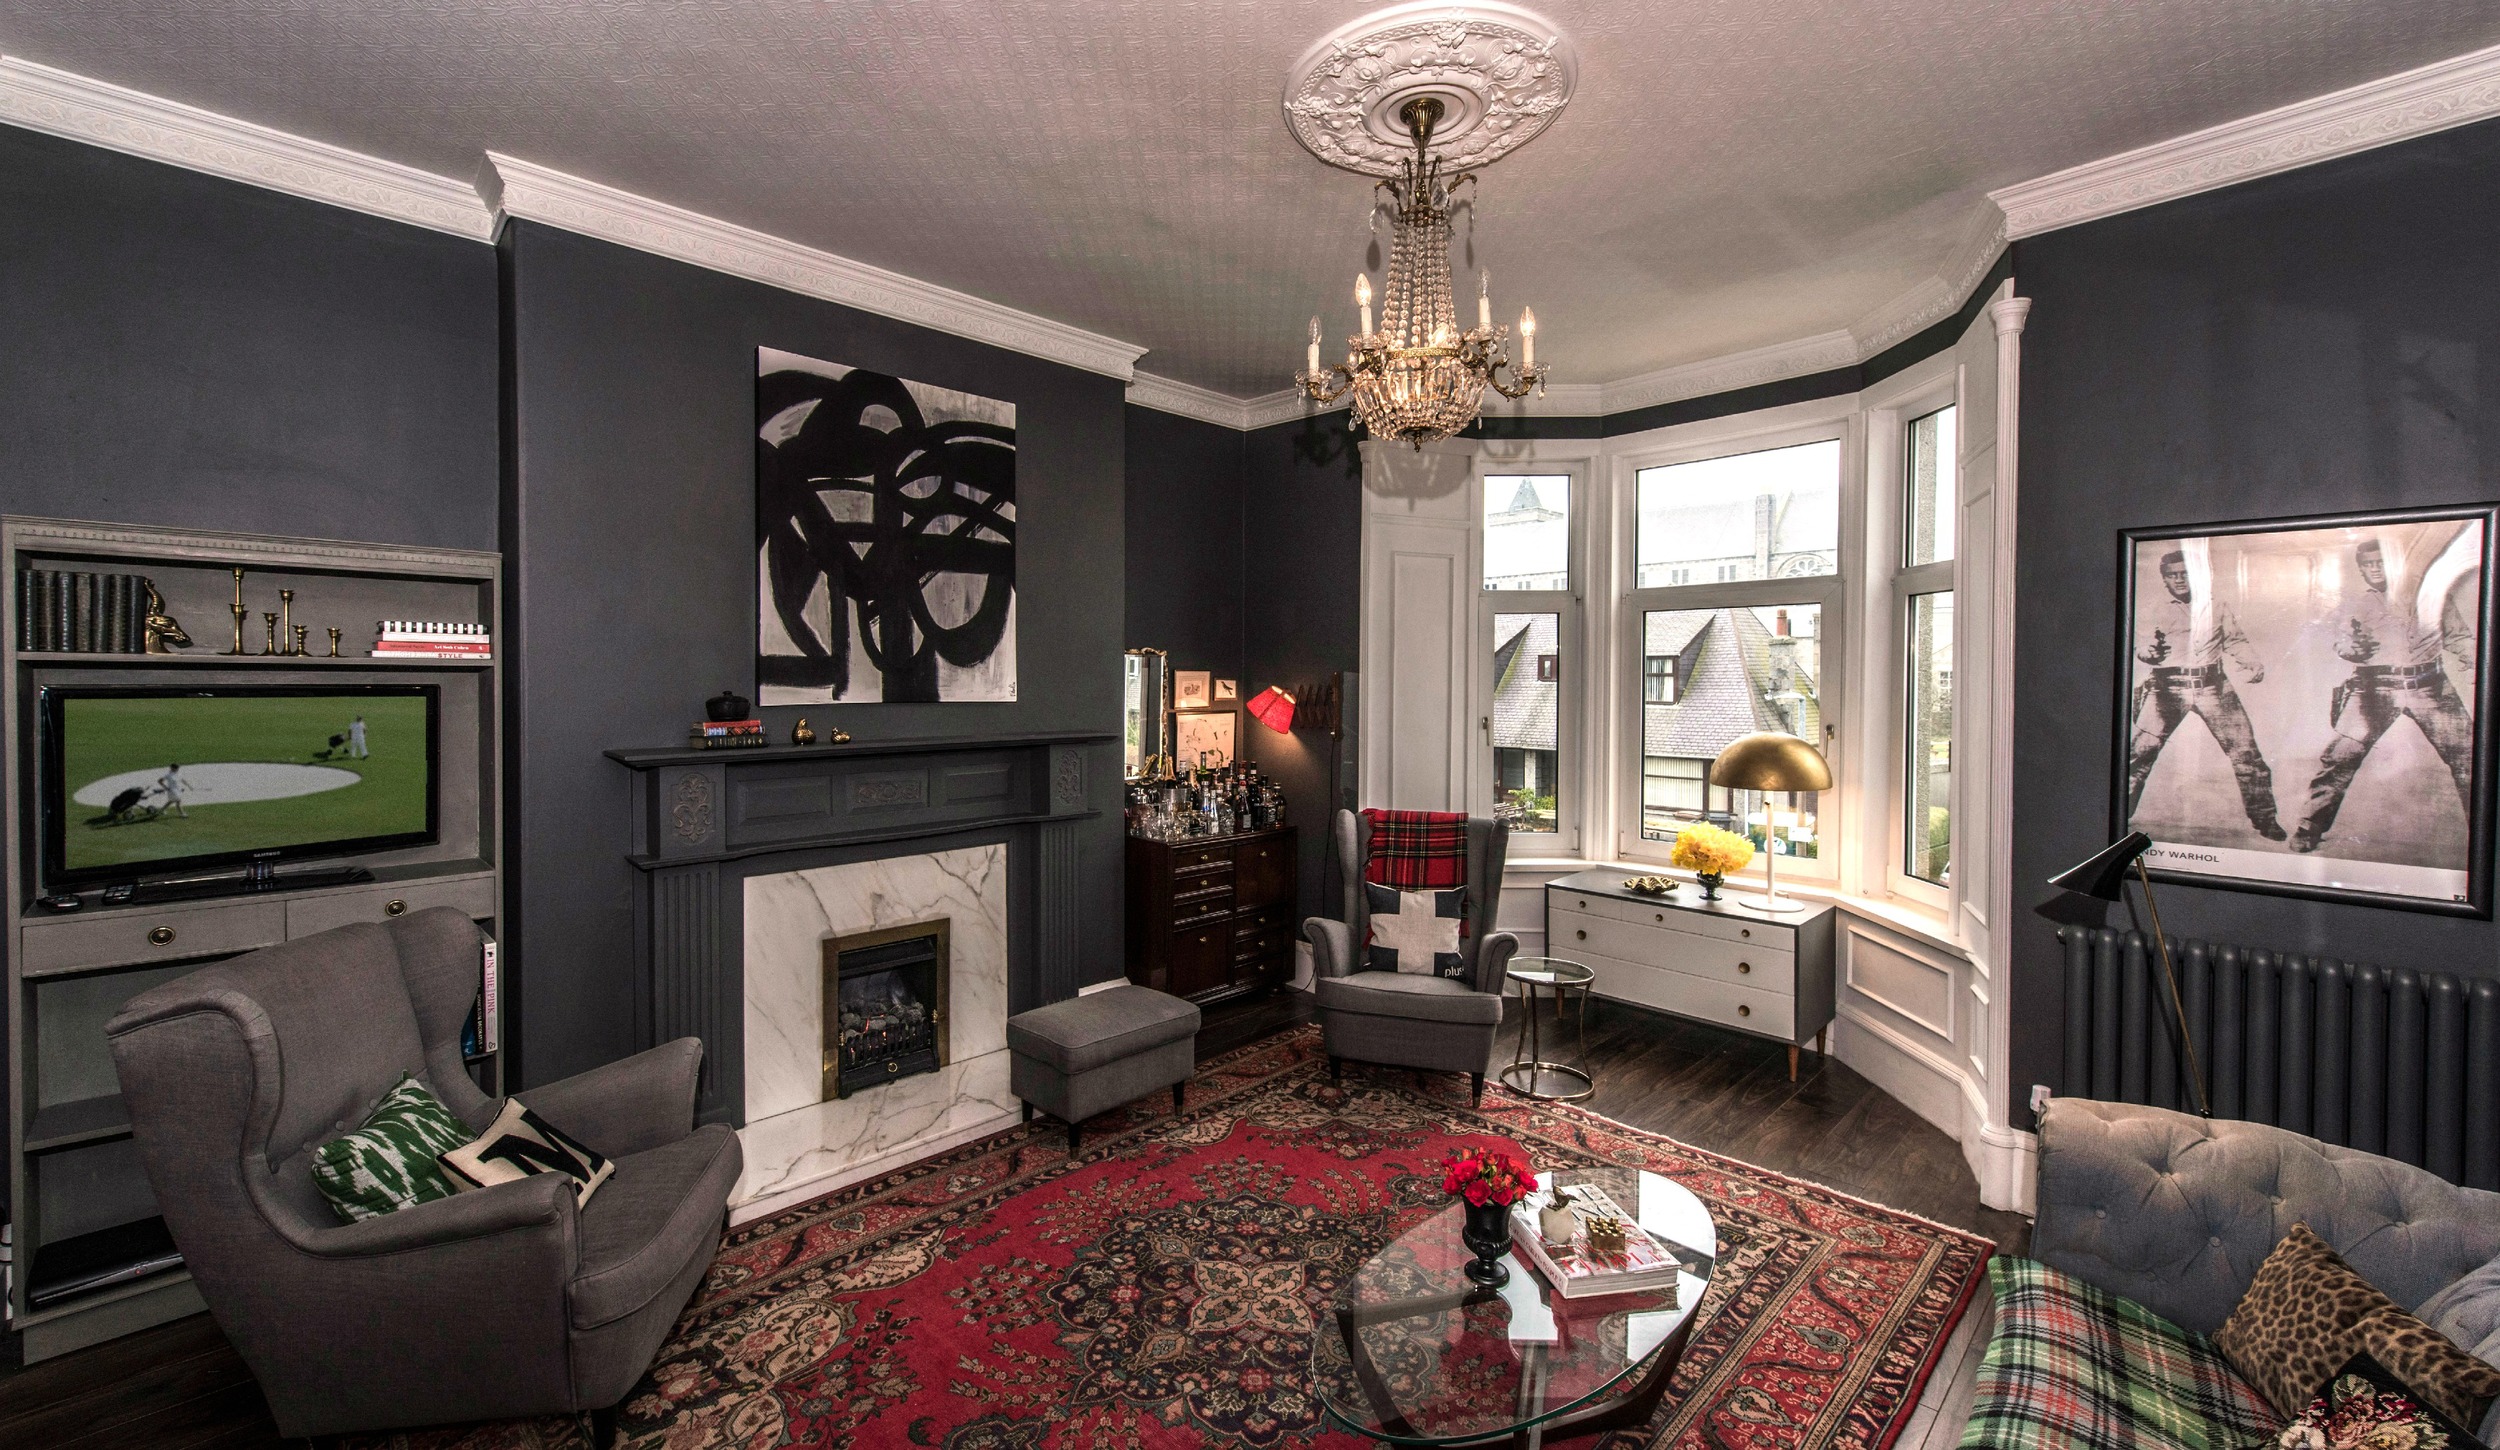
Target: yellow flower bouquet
(1710, 853)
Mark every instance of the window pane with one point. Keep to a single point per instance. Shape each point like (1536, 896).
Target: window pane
(1930, 786)
(1932, 501)
(1527, 531)
(1768, 515)
(1527, 699)
(1735, 671)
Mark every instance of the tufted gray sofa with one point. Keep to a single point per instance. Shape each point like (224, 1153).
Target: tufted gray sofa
(2176, 1213)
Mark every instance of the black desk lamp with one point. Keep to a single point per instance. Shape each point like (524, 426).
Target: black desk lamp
(2105, 875)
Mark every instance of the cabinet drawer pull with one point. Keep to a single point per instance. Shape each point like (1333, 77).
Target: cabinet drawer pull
(162, 936)
(1744, 931)
(394, 907)
(1658, 916)
(1582, 935)
(1743, 1011)
(1743, 967)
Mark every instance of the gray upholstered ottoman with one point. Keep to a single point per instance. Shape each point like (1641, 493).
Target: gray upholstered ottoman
(1089, 1054)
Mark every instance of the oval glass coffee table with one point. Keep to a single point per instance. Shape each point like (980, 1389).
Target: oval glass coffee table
(1422, 1356)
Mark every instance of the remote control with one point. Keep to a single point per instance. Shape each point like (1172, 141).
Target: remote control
(59, 903)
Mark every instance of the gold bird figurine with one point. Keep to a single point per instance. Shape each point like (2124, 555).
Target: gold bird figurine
(800, 734)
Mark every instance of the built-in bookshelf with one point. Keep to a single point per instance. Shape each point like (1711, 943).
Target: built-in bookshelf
(77, 1194)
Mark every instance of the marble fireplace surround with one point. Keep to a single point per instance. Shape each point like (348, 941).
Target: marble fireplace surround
(798, 1147)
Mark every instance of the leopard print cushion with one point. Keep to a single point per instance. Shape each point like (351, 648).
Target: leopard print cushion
(2307, 1313)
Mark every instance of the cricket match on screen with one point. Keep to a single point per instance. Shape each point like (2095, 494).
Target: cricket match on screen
(155, 778)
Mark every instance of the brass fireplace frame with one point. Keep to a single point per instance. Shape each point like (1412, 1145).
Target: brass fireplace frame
(830, 1008)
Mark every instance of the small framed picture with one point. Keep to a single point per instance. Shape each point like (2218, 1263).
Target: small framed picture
(1227, 691)
(2303, 706)
(1205, 739)
(1189, 689)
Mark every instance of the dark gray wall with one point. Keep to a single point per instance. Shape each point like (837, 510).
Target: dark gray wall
(1302, 542)
(2318, 342)
(1184, 540)
(630, 546)
(177, 349)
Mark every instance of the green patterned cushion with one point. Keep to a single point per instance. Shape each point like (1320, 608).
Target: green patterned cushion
(388, 1164)
(2075, 1368)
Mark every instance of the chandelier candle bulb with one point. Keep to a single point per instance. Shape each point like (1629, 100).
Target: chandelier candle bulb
(1484, 301)
(1527, 338)
(1312, 366)
(1363, 299)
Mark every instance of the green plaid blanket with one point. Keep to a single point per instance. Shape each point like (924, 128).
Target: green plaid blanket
(2074, 1368)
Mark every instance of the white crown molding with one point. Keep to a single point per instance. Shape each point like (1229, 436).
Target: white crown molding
(1731, 371)
(2376, 113)
(1940, 296)
(1169, 395)
(1283, 406)
(517, 188)
(100, 113)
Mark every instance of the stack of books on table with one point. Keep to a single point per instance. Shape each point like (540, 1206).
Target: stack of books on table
(726, 734)
(1578, 1271)
(431, 639)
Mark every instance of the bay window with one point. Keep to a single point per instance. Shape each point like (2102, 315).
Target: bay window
(1923, 589)
(1532, 628)
(1735, 556)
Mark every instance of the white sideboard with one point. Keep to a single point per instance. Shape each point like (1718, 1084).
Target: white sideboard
(1720, 962)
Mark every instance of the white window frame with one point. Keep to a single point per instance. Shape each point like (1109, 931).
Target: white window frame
(1574, 460)
(1891, 407)
(1824, 420)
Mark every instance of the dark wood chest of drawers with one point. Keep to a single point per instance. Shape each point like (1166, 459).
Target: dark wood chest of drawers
(1211, 917)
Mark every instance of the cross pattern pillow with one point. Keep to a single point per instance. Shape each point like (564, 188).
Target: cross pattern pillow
(519, 1144)
(1415, 932)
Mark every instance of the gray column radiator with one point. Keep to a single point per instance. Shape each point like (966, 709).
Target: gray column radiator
(2389, 1060)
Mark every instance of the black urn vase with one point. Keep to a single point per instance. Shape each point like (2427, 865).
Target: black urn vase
(1486, 1233)
(726, 706)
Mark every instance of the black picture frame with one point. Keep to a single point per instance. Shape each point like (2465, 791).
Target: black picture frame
(2134, 681)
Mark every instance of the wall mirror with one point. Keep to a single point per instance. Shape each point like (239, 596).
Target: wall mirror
(1145, 709)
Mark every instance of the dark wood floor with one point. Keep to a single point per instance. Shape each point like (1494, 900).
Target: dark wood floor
(180, 1386)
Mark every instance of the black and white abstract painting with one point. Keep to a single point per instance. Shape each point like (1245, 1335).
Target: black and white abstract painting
(885, 534)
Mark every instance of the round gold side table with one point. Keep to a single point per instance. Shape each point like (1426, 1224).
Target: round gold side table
(1530, 1074)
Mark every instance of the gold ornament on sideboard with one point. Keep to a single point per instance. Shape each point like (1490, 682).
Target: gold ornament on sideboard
(163, 635)
(1419, 378)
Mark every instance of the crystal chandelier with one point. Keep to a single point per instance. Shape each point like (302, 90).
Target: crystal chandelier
(1419, 378)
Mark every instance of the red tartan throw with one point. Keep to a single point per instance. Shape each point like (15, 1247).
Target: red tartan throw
(1417, 850)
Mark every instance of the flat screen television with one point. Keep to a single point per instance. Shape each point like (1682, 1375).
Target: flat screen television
(140, 784)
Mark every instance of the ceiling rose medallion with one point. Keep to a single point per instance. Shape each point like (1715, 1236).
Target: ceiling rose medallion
(1416, 95)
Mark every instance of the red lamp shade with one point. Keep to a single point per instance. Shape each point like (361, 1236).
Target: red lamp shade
(1273, 708)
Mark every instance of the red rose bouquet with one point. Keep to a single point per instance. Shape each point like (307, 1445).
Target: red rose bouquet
(1485, 1176)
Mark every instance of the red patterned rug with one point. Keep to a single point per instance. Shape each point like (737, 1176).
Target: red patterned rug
(1163, 1289)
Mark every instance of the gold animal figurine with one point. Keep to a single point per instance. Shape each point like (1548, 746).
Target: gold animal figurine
(801, 734)
(839, 736)
(164, 633)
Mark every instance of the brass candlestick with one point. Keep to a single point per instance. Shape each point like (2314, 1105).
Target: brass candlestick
(269, 637)
(299, 640)
(286, 620)
(334, 641)
(240, 613)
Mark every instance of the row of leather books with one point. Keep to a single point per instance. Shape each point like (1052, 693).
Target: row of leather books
(66, 610)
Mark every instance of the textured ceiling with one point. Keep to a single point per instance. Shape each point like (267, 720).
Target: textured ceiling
(1731, 173)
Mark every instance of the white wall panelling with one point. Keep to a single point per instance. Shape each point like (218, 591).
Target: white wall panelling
(1418, 637)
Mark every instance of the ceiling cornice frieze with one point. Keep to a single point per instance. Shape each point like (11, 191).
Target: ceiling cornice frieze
(100, 113)
(538, 193)
(2418, 102)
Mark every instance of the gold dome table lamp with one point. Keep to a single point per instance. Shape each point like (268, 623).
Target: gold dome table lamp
(1766, 761)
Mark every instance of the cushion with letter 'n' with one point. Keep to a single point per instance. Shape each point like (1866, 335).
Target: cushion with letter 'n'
(521, 1143)
(1416, 932)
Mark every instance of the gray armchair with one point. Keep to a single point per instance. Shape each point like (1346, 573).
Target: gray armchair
(500, 1302)
(1436, 1024)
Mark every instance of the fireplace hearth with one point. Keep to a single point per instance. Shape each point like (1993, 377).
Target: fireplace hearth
(886, 994)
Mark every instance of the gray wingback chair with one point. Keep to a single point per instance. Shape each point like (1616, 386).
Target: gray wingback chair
(500, 1302)
(1435, 1024)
